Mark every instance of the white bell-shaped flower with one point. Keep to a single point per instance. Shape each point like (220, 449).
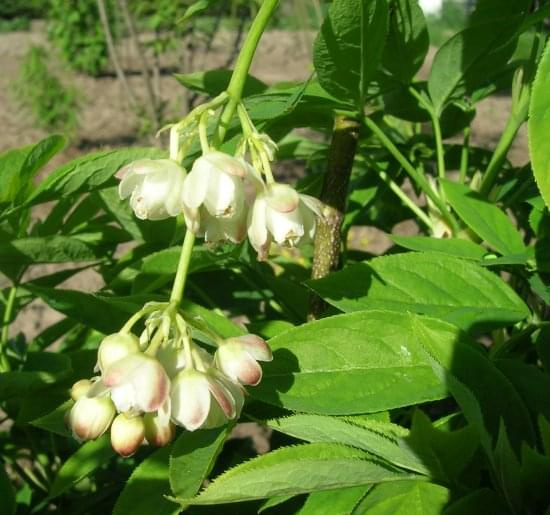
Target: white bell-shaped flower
(154, 186)
(218, 182)
(127, 434)
(195, 395)
(137, 383)
(282, 215)
(114, 347)
(89, 418)
(238, 358)
(218, 229)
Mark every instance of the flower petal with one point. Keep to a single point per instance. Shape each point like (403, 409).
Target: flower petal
(257, 225)
(190, 399)
(195, 187)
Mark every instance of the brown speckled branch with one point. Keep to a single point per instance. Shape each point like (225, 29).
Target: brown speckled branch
(328, 239)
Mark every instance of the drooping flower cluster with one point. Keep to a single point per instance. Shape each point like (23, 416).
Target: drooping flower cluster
(146, 386)
(224, 197)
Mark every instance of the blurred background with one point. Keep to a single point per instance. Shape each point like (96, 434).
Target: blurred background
(101, 71)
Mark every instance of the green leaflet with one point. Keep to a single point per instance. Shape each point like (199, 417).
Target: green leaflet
(486, 396)
(192, 458)
(484, 218)
(341, 502)
(430, 283)
(49, 249)
(408, 40)
(456, 247)
(349, 47)
(539, 126)
(405, 498)
(18, 166)
(41, 369)
(145, 490)
(295, 470)
(84, 461)
(383, 439)
(469, 58)
(348, 364)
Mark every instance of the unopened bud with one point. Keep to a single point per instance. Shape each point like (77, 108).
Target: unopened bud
(80, 388)
(91, 417)
(238, 358)
(158, 431)
(115, 347)
(127, 434)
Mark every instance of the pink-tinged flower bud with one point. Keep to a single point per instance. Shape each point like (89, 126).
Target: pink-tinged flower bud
(114, 347)
(80, 389)
(196, 394)
(280, 214)
(159, 431)
(238, 358)
(127, 434)
(217, 182)
(89, 418)
(154, 186)
(137, 382)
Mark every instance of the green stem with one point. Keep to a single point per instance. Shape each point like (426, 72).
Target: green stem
(437, 132)
(405, 199)
(420, 180)
(4, 363)
(464, 155)
(234, 91)
(243, 63)
(183, 267)
(489, 177)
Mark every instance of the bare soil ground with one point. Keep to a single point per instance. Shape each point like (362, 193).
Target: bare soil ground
(106, 121)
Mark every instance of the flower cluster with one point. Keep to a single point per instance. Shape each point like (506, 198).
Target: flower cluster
(224, 197)
(146, 386)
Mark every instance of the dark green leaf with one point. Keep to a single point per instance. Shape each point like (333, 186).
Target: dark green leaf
(7, 493)
(41, 369)
(405, 498)
(444, 453)
(469, 58)
(408, 40)
(145, 490)
(83, 462)
(341, 502)
(349, 47)
(485, 395)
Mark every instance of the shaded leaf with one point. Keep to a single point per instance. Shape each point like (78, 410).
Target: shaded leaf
(146, 487)
(295, 470)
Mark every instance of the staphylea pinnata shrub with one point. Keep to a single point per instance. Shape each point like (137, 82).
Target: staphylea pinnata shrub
(415, 380)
